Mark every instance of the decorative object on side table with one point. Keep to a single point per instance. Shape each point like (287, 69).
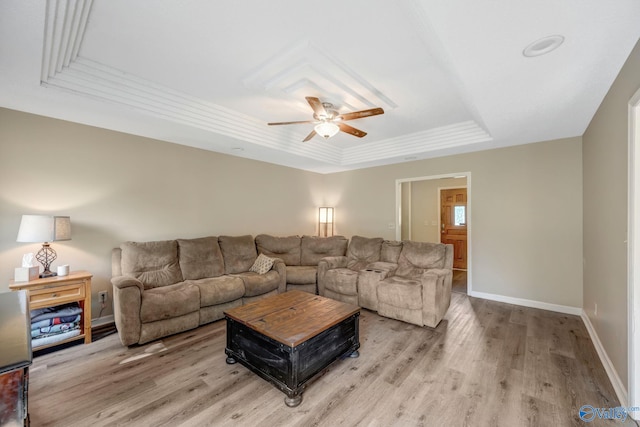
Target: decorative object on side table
(28, 271)
(44, 228)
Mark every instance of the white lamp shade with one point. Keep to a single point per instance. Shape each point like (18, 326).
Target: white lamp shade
(61, 228)
(44, 228)
(326, 215)
(325, 221)
(326, 129)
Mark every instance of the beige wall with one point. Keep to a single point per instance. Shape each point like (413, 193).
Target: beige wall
(119, 187)
(526, 215)
(605, 215)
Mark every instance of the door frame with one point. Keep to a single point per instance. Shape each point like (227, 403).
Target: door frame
(466, 175)
(633, 255)
(440, 216)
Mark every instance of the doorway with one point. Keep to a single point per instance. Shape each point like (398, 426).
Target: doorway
(419, 218)
(453, 223)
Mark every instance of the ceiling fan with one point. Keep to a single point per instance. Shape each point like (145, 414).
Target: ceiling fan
(329, 122)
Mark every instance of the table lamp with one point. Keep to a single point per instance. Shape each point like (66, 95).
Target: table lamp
(44, 228)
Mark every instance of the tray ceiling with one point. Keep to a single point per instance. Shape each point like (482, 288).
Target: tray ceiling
(451, 76)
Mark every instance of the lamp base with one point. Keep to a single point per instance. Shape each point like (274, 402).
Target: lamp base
(47, 274)
(46, 256)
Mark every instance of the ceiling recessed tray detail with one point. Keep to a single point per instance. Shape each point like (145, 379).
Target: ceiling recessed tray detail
(305, 69)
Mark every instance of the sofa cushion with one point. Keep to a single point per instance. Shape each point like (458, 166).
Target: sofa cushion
(262, 264)
(219, 290)
(390, 251)
(200, 258)
(315, 248)
(239, 253)
(169, 301)
(153, 263)
(301, 274)
(285, 248)
(401, 292)
(342, 280)
(416, 257)
(259, 284)
(363, 251)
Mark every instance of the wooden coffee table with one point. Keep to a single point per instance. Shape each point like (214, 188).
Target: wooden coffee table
(288, 338)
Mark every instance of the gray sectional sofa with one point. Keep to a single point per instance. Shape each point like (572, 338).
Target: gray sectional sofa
(165, 287)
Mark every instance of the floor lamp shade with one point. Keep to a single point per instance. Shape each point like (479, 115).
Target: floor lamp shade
(325, 222)
(44, 229)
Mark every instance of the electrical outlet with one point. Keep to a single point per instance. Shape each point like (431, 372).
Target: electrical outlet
(102, 296)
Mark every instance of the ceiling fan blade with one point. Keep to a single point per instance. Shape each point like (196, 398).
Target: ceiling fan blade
(317, 106)
(360, 114)
(291, 123)
(311, 135)
(353, 131)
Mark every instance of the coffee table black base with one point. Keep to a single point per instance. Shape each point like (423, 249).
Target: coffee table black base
(290, 368)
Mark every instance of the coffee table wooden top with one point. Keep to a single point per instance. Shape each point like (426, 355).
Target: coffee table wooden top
(293, 317)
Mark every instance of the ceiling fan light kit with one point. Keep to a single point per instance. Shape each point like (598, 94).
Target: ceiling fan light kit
(326, 129)
(328, 122)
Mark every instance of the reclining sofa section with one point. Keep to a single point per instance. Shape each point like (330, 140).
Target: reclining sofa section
(165, 287)
(162, 288)
(408, 281)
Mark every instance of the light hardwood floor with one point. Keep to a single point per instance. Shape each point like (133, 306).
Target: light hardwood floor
(459, 281)
(486, 364)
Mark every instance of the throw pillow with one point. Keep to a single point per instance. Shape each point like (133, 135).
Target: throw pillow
(262, 264)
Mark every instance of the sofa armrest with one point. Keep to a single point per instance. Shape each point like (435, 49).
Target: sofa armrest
(127, 300)
(436, 295)
(444, 273)
(281, 268)
(332, 262)
(122, 282)
(326, 264)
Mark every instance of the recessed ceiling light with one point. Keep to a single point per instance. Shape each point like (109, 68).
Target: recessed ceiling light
(542, 46)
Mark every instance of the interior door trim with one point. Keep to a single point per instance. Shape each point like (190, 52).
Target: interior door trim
(466, 175)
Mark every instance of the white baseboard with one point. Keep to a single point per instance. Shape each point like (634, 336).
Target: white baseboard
(104, 320)
(566, 309)
(618, 385)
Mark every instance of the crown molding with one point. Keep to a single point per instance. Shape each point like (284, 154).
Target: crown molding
(294, 69)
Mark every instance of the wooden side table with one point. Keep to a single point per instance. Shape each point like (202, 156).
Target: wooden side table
(58, 290)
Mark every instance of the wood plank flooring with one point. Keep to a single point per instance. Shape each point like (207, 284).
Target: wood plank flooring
(486, 364)
(459, 281)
